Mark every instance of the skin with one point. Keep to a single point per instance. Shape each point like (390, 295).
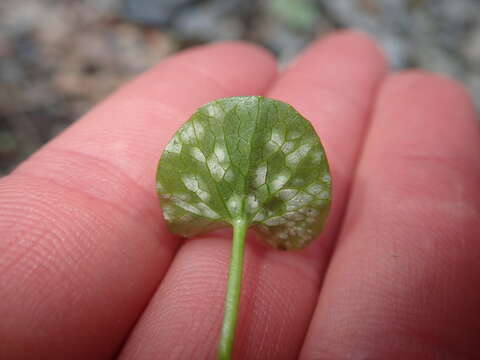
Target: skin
(88, 269)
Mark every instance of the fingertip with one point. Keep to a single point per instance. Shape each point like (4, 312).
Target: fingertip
(251, 63)
(427, 90)
(418, 177)
(417, 82)
(253, 60)
(354, 46)
(357, 39)
(254, 53)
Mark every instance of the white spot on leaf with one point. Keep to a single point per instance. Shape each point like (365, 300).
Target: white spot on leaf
(260, 216)
(198, 154)
(324, 195)
(274, 221)
(279, 181)
(181, 196)
(169, 212)
(186, 206)
(199, 131)
(295, 157)
(220, 153)
(191, 182)
(288, 147)
(174, 147)
(295, 216)
(234, 204)
(215, 169)
(314, 188)
(252, 203)
(205, 196)
(187, 133)
(207, 211)
(299, 201)
(213, 110)
(277, 137)
(260, 175)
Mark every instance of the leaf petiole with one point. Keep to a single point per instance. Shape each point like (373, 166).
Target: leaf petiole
(232, 298)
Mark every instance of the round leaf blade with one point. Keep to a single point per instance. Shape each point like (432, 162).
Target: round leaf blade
(249, 158)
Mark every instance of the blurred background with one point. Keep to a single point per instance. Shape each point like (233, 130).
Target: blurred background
(60, 57)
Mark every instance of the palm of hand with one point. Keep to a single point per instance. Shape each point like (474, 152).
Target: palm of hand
(85, 258)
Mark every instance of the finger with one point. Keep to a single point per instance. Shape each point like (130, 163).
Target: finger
(279, 289)
(403, 281)
(83, 244)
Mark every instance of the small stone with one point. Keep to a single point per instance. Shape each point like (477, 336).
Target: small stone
(471, 48)
(196, 22)
(153, 12)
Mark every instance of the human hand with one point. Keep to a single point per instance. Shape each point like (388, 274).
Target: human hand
(88, 269)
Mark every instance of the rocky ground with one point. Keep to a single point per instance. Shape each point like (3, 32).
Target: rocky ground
(59, 57)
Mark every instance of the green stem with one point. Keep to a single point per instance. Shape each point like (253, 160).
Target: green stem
(233, 290)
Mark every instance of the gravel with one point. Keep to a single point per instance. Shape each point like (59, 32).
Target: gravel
(60, 57)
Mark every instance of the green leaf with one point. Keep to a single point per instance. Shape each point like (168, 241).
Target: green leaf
(241, 162)
(246, 158)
